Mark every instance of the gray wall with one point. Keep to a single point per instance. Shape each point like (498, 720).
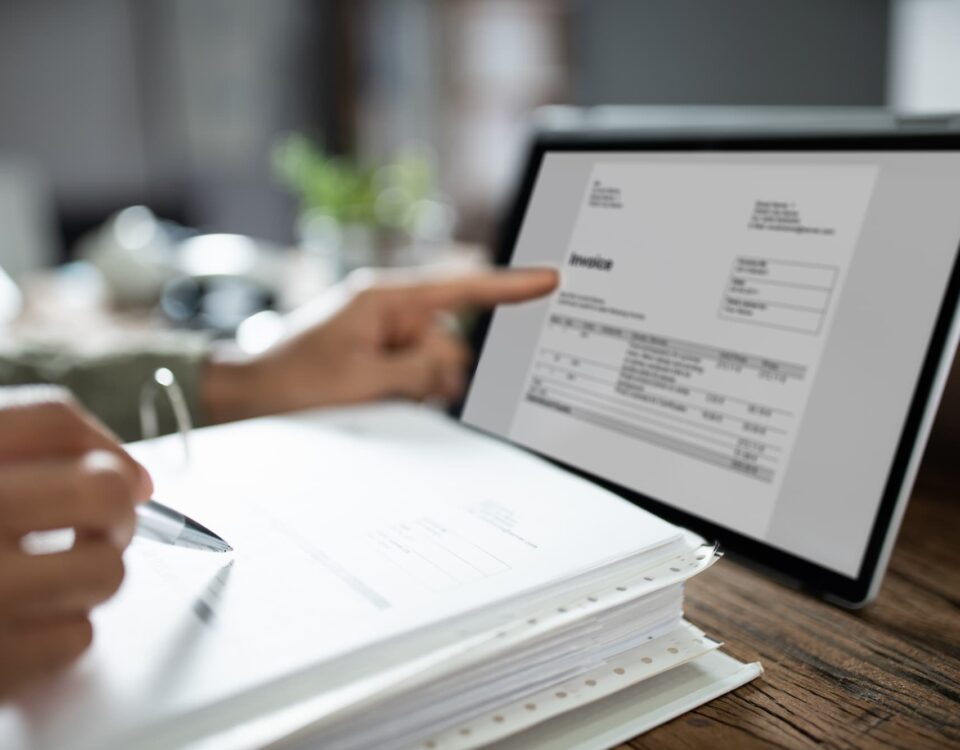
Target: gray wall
(804, 52)
(69, 100)
(170, 102)
(175, 102)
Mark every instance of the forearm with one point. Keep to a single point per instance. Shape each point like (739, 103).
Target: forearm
(234, 385)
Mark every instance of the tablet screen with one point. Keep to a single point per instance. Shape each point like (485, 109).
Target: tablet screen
(737, 335)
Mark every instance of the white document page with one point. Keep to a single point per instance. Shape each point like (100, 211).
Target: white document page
(679, 353)
(349, 529)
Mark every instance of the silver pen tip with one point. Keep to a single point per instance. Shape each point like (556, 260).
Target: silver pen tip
(203, 541)
(216, 545)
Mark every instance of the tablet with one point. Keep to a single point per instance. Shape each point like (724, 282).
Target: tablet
(750, 336)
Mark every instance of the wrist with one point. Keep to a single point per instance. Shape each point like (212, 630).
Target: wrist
(231, 387)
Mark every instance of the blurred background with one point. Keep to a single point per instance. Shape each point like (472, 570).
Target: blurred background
(209, 159)
(179, 104)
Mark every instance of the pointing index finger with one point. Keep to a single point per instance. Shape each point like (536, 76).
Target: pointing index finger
(487, 288)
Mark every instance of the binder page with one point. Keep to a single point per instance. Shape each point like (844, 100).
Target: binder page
(624, 714)
(350, 530)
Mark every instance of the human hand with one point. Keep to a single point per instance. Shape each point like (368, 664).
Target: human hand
(59, 468)
(377, 339)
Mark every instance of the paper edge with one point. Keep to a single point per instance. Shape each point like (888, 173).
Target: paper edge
(618, 732)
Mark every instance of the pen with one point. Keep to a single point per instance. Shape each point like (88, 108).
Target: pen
(163, 524)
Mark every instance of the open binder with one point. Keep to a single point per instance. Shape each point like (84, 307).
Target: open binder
(398, 581)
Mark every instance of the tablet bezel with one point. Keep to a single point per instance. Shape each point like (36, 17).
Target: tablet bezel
(936, 362)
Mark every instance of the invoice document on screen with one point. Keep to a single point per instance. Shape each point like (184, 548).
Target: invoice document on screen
(694, 307)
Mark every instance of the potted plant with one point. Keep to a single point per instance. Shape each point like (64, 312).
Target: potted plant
(352, 215)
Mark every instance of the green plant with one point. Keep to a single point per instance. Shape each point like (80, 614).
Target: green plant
(391, 196)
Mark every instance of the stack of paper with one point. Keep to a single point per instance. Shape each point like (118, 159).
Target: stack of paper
(397, 581)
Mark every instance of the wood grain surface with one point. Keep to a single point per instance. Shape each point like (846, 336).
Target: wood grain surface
(886, 676)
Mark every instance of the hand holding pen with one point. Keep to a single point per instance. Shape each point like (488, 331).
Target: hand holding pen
(59, 469)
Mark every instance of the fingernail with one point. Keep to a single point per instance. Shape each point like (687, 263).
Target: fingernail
(146, 482)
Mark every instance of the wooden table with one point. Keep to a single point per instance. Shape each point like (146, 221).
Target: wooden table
(885, 676)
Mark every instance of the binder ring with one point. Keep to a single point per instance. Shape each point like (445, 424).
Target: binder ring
(164, 381)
